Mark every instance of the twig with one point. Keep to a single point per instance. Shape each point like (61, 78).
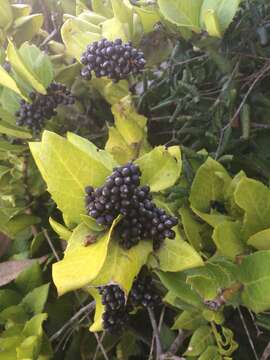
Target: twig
(248, 334)
(177, 342)
(87, 308)
(49, 38)
(156, 333)
(100, 345)
(45, 232)
(236, 114)
(259, 332)
(159, 329)
(266, 353)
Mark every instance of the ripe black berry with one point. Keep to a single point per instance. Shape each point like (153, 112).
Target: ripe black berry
(112, 59)
(115, 314)
(43, 107)
(142, 219)
(110, 200)
(143, 292)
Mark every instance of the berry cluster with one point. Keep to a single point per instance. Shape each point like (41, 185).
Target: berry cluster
(143, 292)
(33, 115)
(105, 203)
(112, 59)
(145, 221)
(121, 194)
(115, 315)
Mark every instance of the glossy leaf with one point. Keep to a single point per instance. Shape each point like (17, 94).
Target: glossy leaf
(160, 168)
(210, 183)
(254, 198)
(218, 273)
(26, 27)
(118, 260)
(260, 240)
(8, 81)
(227, 237)
(5, 14)
(225, 11)
(75, 39)
(200, 340)
(254, 274)
(21, 68)
(177, 255)
(184, 13)
(189, 320)
(97, 325)
(177, 285)
(38, 62)
(81, 264)
(60, 229)
(67, 171)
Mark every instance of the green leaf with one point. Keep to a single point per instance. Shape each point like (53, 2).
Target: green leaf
(227, 237)
(60, 229)
(34, 326)
(254, 274)
(212, 23)
(75, 39)
(254, 198)
(5, 14)
(97, 325)
(67, 171)
(123, 11)
(12, 130)
(22, 70)
(113, 93)
(212, 219)
(7, 81)
(29, 279)
(161, 167)
(103, 7)
(225, 11)
(176, 284)
(114, 28)
(118, 260)
(91, 223)
(200, 340)
(8, 298)
(19, 10)
(29, 348)
(184, 13)
(177, 255)
(192, 228)
(210, 184)
(225, 341)
(38, 62)
(35, 300)
(92, 17)
(148, 17)
(218, 273)
(189, 320)
(127, 140)
(26, 27)
(260, 240)
(211, 353)
(81, 264)
(88, 147)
